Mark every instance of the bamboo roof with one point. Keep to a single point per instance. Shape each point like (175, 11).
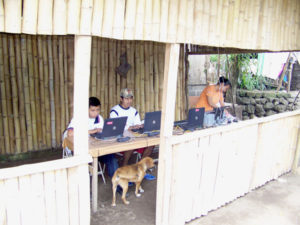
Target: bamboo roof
(248, 24)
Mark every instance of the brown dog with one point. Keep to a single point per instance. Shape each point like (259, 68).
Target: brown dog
(131, 173)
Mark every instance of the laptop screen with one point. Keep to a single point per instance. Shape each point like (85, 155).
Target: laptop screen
(152, 121)
(196, 117)
(114, 127)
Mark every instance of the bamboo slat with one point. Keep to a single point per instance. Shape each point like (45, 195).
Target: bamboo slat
(147, 77)
(164, 7)
(8, 93)
(4, 100)
(13, 18)
(111, 82)
(118, 76)
(130, 19)
(66, 70)
(181, 28)
(100, 74)
(130, 57)
(156, 76)
(53, 97)
(108, 19)
(30, 12)
(70, 74)
(147, 32)
(73, 17)
(2, 17)
(2, 143)
(59, 17)
(118, 25)
(14, 94)
(45, 17)
(106, 76)
(139, 19)
(61, 88)
(37, 91)
(143, 102)
(137, 80)
(97, 17)
(151, 76)
(93, 79)
(42, 90)
(156, 20)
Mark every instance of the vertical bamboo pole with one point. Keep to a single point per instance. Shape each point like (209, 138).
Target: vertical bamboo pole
(56, 90)
(31, 92)
(70, 75)
(66, 70)
(53, 96)
(26, 92)
(106, 77)
(14, 88)
(167, 119)
(8, 94)
(4, 99)
(151, 76)
(42, 90)
(37, 92)
(61, 89)
(147, 76)
(93, 82)
(142, 80)
(98, 72)
(2, 139)
(156, 76)
(137, 76)
(130, 58)
(100, 75)
(117, 63)
(123, 80)
(20, 93)
(112, 74)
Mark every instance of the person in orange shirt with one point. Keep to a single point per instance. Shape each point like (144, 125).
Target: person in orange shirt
(212, 96)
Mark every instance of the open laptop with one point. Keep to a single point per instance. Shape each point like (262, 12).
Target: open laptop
(151, 124)
(113, 128)
(194, 121)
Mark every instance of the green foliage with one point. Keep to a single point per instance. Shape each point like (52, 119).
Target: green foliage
(251, 82)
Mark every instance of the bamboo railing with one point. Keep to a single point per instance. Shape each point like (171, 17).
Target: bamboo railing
(36, 85)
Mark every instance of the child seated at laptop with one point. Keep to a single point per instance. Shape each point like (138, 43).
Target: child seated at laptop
(133, 122)
(95, 125)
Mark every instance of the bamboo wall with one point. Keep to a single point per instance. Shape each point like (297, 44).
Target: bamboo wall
(36, 85)
(248, 24)
(225, 164)
(55, 192)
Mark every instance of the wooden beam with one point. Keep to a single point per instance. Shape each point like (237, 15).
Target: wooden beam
(167, 120)
(82, 60)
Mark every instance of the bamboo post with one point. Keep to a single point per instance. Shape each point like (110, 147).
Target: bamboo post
(26, 92)
(142, 80)
(37, 92)
(20, 94)
(137, 85)
(117, 63)
(106, 77)
(112, 74)
(130, 58)
(48, 112)
(31, 92)
(165, 151)
(147, 75)
(151, 76)
(283, 72)
(123, 80)
(61, 89)
(156, 76)
(93, 82)
(56, 90)
(42, 90)
(99, 74)
(2, 139)
(70, 75)
(14, 94)
(4, 99)
(52, 96)
(66, 70)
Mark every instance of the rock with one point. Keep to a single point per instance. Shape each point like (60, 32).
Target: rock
(252, 101)
(263, 101)
(270, 112)
(290, 107)
(283, 101)
(241, 93)
(250, 109)
(290, 100)
(251, 94)
(244, 113)
(252, 116)
(270, 99)
(268, 105)
(269, 94)
(258, 100)
(283, 95)
(259, 109)
(260, 114)
(280, 108)
(245, 101)
(276, 102)
(245, 118)
(258, 95)
(238, 100)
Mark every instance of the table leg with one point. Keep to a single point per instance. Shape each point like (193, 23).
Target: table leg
(95, 185)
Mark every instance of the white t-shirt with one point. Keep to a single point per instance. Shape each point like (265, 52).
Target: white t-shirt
(93, 123)
(133, 117)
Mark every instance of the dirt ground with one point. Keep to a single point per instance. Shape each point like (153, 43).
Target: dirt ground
(140, 211)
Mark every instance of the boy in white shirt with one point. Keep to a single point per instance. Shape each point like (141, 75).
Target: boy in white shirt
(133, 120)
(95, 125)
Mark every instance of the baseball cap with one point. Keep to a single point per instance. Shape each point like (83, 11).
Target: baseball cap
(126, 93)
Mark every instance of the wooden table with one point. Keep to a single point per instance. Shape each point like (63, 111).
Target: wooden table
(104, 147)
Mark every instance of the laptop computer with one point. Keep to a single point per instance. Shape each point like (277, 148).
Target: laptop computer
(113, 128)
(195, 119)
(151, 124)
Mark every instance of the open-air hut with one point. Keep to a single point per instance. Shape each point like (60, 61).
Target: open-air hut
(36, 81)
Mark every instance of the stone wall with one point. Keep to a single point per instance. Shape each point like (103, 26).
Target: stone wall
(259, 104)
